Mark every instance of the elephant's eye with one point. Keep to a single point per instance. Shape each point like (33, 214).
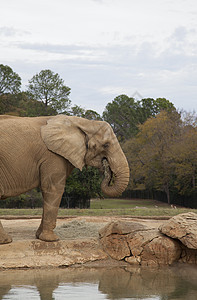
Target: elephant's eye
(106, 145)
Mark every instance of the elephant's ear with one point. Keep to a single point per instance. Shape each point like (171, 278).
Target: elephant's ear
(65, 138)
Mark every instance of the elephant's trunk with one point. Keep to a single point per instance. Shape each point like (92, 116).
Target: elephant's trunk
(116, 179)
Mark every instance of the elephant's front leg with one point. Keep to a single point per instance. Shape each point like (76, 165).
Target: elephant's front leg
(53, 179)
(49, 217)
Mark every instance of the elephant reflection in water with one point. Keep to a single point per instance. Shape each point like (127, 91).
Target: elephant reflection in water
(128, 282)
(43, 151)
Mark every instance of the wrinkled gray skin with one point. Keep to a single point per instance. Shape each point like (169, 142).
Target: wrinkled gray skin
(43, 151)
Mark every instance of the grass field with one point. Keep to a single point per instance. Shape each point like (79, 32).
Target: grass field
(110, 207)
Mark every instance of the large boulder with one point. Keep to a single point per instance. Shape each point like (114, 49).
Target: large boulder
(114, 238)
(138, 244)
(161, 251)
(182, 227)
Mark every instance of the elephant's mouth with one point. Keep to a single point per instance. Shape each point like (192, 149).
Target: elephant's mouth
(108, 174)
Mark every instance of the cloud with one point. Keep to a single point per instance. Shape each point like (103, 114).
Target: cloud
(137, 59)
(180, 34)
(7, 31)
(11, 32)
(99, 73)
(99, 1)
(63, 52)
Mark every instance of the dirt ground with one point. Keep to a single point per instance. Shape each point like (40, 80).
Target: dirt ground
(68, 228)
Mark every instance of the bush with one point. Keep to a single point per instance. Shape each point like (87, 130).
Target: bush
(30, 199)
(81, 187)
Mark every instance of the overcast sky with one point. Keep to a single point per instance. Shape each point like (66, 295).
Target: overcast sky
(104, 48)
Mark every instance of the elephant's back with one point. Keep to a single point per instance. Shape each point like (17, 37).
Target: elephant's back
(20, 135)
(25, 127)
(7, 121)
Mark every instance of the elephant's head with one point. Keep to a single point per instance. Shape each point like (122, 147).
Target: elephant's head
(93, 143)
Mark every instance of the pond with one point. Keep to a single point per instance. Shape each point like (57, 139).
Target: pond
(84, 283)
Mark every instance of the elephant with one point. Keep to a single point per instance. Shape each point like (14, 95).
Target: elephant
(42, 152)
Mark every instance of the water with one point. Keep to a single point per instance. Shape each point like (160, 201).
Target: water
(84, 283)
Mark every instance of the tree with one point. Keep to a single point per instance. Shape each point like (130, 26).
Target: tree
(185, 159)
(83, 113)
(125, 114)
(77, 111)
(22, 105)
(49, 88)
(92, 115)
(81, 187)
(122, 115)
(150, 107)
(28, 107)
(10, 82)
(189, 118)
(150, 153)
(9, 103)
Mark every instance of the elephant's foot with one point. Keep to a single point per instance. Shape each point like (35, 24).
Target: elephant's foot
(38, 232)
(5, 238)
(48, 236)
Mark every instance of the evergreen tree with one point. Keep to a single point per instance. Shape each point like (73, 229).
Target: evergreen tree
(10, 82)
(49, 88)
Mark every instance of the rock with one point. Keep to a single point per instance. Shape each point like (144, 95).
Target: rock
(161, 251)
(121, 227)
(133, 260)
(139, 244)
(36, 253)
(138, 240)
(116, 246)
(113, 238)
(182, 227)
(188, 256)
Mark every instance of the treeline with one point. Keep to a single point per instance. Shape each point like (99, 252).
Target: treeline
(46, 94)
(163, 156)
(160, 143)
(161, 147)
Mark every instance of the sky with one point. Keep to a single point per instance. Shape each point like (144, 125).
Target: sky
(105, 48)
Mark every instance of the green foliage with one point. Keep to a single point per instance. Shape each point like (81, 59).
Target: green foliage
(30, 199)
(22, 105)
(92, 115)
(83, 113)
(150, 107)
(82, 185)
(28, 107)
(10, 82)
(125, 114)
(49, 88)
(122, 115)
(9, 104)
(77, 111)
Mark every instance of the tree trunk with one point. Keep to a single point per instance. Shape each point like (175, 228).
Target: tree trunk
(167, 191)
